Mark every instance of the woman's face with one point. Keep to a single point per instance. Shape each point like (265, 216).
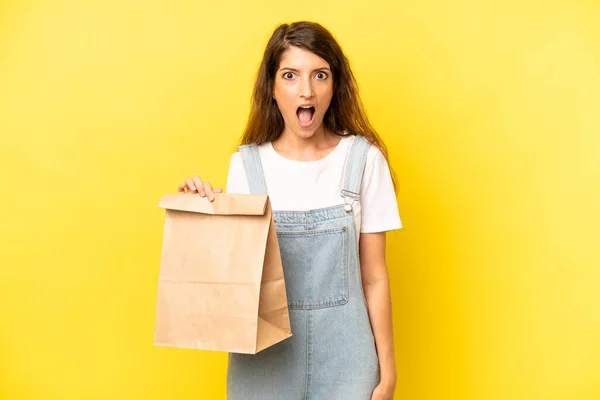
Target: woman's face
(303, 89)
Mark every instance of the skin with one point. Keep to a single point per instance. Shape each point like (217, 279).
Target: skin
(305, 78)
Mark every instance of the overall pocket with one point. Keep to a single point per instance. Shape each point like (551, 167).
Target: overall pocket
(315, 265)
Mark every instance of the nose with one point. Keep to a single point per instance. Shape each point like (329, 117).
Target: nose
(306, 89)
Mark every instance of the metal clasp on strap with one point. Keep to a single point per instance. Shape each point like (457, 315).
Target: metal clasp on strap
(349, 199)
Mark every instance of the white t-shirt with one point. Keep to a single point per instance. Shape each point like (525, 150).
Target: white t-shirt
(307, 185)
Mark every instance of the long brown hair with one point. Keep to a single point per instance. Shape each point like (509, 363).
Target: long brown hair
(346, 114)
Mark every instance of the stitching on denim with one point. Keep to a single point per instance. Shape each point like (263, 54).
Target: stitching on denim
(307, 372)
(315, 232)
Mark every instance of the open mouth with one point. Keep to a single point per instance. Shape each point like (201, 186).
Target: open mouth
(305, 115)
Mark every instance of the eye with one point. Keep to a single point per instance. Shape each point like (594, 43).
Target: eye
(288, 75)
(321, 75)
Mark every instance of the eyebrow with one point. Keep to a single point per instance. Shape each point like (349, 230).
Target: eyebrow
(295, 70)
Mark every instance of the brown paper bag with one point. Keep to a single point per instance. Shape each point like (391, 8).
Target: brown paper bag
(221, 284)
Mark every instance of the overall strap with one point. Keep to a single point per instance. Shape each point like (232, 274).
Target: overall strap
(356, 160)
(253, 168)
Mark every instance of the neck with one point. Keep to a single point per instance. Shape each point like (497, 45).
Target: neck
(305, 148)
(296, 141)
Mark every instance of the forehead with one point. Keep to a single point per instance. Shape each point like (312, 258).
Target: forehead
(300, 59)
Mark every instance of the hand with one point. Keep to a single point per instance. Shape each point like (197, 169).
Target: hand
(195, 185)
(383, 392)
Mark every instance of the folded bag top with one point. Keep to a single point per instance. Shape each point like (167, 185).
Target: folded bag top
(224, 204)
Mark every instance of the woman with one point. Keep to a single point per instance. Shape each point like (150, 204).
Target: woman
(309, 145)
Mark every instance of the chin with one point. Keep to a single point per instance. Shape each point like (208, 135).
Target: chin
(307, 132)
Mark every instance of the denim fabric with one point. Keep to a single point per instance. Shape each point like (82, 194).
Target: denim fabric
(331, 355)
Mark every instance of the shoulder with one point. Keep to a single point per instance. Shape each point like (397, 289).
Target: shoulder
(374, 155)
(377, 170)
(235, 159)
(236, 176)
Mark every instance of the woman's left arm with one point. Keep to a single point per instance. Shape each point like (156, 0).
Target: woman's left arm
(376, 286)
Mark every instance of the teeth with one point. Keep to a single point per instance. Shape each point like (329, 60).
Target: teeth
(306, 107)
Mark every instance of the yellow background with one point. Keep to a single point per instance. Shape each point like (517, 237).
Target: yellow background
(490, 110)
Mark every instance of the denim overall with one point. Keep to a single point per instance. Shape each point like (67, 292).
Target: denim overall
(331, 355)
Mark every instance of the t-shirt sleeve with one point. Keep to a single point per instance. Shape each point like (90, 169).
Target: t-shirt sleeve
(236, 177)
(378, 199)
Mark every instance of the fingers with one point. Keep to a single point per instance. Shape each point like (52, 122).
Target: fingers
(196, 185)
(209, 191)
(189, 184)
(199, 185)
